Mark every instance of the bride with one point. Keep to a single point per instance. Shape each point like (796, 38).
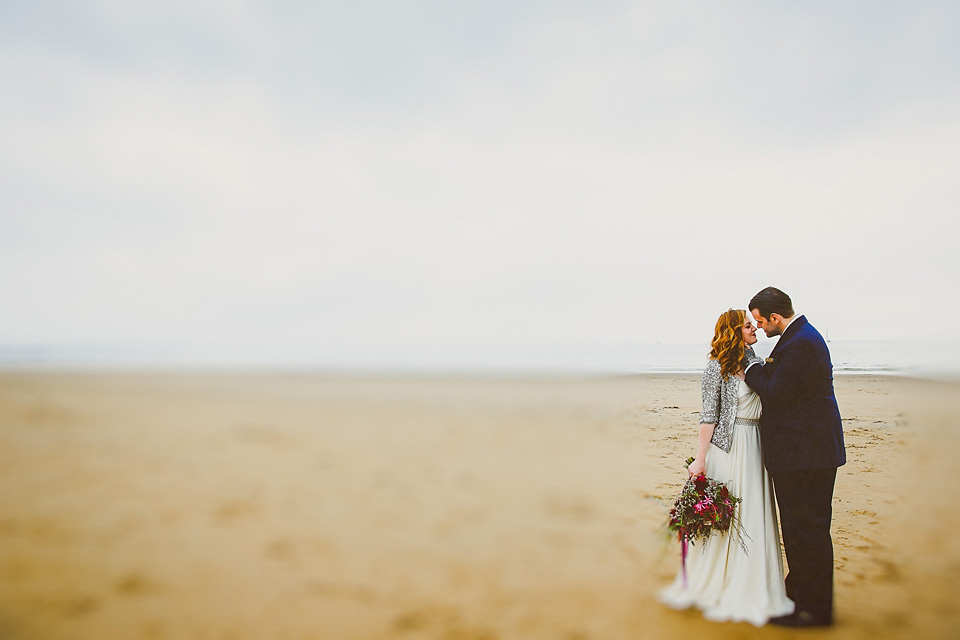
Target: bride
(724, 580)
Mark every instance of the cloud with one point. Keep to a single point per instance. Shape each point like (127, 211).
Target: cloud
(426, 177)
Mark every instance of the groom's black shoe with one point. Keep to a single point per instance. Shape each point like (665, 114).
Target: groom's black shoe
(801, 619)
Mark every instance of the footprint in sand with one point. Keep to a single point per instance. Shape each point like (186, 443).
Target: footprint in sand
(134, 584)
(236, 509)
(448, 620)
(280, 550)
(575, 508)
(71, 606)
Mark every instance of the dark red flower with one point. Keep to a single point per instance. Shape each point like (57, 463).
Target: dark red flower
(701, 482)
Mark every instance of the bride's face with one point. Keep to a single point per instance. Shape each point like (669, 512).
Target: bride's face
(749, 332)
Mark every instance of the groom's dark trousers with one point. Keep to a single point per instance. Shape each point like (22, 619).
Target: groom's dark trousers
(805, 499)
(802, 439)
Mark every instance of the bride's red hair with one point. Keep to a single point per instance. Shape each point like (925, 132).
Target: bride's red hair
(727, 346)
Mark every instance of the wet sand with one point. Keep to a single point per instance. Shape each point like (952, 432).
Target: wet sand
(297, 506)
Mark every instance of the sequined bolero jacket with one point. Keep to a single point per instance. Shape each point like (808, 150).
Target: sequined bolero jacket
(720, 399)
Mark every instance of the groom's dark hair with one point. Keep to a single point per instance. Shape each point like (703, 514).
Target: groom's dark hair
(772, 300)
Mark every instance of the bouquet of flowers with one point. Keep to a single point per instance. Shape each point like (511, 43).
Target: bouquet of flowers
(704, 506)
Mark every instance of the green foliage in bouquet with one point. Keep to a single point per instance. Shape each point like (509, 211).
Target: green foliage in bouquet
(704, 506)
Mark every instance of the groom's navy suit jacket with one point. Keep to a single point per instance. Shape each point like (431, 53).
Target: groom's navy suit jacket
(800, 425)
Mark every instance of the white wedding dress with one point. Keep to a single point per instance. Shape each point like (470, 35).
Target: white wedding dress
(723, 581)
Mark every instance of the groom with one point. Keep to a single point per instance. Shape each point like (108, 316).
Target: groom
(802, 447)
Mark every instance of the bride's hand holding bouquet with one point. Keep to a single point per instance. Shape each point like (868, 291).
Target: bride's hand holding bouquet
(696, 467)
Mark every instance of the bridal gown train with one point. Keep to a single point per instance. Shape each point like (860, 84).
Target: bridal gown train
(723, 581)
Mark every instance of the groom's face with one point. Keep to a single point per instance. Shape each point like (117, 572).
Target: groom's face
(769, 329)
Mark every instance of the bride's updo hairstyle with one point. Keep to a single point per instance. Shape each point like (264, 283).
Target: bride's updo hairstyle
(727, 346)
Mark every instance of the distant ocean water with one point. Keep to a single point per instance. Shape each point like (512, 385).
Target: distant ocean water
(848, 357)
(925, 359)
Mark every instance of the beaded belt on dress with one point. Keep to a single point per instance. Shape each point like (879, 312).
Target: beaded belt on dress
(750, 422)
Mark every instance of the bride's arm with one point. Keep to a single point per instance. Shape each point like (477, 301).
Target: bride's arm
(710, 384)
(698, 465)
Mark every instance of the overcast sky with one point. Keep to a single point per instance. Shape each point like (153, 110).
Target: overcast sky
(446, 179)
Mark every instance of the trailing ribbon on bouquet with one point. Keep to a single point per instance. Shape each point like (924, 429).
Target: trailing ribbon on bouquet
(683, 555)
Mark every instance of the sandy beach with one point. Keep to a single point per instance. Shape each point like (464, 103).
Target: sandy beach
(299, 506)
